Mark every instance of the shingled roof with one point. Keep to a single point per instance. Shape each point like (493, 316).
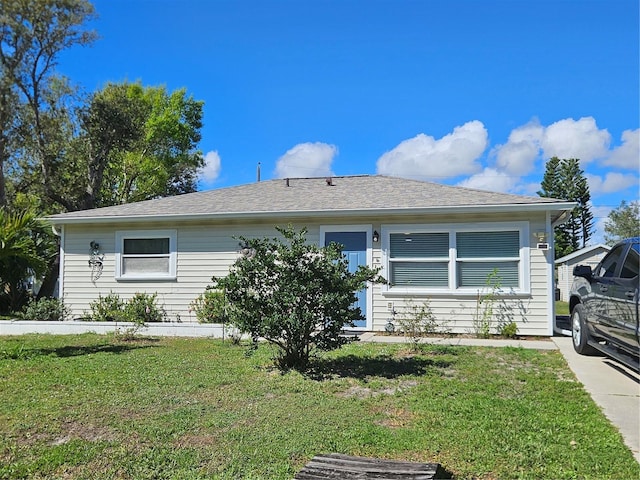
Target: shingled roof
(363, 194)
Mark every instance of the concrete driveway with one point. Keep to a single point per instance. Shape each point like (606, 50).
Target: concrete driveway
(615, 389)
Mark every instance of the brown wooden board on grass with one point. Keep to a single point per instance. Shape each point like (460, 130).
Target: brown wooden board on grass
(347, 467)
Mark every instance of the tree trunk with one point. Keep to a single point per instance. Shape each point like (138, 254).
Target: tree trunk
(50, 279)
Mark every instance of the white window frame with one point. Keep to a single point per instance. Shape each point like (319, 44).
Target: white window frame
(524, 262)
(123, 235)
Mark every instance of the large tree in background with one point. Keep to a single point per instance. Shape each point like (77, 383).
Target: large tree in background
(9, 108)
(564, 179)
(60, 152)
(32, 35)
(623, 222)
(139, 143)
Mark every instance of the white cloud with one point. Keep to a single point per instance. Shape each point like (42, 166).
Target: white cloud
(580, 139)
(612, 182)
(600, 216)
(212, 166)
(627, 155)
(425, 157)
(531, 188)
(307, 160)
(519, 154)
(490, 179)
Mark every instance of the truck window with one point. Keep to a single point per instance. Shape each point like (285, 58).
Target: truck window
(631, 265)
(609, 264)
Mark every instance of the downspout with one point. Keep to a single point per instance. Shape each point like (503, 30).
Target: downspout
(60, 233)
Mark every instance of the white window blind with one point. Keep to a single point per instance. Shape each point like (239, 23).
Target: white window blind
(456, 258)
(419, 259)
(481, 253)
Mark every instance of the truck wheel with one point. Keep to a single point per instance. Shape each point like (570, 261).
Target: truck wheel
(580, 332)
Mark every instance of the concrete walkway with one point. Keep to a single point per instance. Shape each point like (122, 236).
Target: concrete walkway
(470, 342)
(614, 388)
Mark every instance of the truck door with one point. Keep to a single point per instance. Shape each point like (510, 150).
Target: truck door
(623, 304)
(599, 304)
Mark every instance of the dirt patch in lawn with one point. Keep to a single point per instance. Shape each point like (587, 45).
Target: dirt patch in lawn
(75, 430)
(358, 391)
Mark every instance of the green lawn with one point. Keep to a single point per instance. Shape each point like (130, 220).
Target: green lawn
(91, 407)
(562, 308)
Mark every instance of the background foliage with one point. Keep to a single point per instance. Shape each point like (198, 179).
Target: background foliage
(564, 179)
(623, 222)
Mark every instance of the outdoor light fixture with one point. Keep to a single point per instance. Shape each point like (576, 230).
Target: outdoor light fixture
(541, 237)
(376, 236)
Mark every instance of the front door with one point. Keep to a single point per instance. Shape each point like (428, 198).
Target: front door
(355, 250)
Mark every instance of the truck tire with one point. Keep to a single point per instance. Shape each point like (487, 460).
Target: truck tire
(580, 332)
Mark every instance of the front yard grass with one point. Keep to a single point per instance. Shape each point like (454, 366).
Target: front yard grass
(562, 308)
(90, 406)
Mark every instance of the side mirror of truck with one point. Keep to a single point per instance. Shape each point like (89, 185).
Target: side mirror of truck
(583, 271)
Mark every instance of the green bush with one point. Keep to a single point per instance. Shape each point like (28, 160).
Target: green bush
(509, 330)
(107, 309)
(45, 310)
(297, 296)
(209, 307)
(417, 321)
(142, 309)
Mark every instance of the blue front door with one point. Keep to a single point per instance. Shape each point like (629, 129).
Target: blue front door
(355, 250)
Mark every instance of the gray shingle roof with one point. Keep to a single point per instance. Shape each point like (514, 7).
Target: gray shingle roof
(350, 194)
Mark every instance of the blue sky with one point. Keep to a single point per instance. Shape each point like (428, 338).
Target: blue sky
(477, 93)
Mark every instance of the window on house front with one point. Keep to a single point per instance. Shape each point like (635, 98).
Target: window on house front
(454, 258)
(146, 254)
(419, 259)
(479, 254)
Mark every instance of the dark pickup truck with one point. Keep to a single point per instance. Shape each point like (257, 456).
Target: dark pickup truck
(604, 305)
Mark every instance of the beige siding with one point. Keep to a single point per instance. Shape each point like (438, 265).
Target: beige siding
(532, 312)
(207, 249)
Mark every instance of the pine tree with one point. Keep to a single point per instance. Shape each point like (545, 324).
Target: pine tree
(564, 179)
(550, 186)
(586, 216)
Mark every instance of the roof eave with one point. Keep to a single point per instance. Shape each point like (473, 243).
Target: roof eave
(559, 207)
(582, 251)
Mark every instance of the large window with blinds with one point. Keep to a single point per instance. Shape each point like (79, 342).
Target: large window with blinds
(478, 254)
(455, 258)
(419, 259)
(146, 255)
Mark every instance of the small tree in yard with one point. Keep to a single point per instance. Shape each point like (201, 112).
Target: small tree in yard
(297, 296)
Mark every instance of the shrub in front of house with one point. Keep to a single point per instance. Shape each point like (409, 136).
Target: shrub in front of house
(142, 308)
(109, 308)
(45, 310)
(209, 307)
(296, 295)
